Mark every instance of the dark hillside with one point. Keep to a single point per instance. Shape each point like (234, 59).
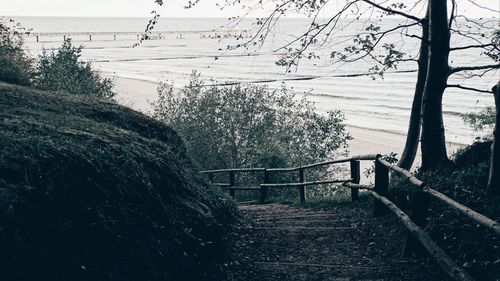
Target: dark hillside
(90, 190)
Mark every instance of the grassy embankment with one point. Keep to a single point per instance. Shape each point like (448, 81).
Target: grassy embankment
(90, 190)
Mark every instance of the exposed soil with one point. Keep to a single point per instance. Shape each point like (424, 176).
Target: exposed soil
(285, 242)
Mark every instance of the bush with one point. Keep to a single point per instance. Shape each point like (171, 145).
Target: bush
(61, 71)
(64, 72)
(15, 66)
(249, 126)
(485, 119)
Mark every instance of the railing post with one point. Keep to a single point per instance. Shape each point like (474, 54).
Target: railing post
(420, 201)
(231, 183)
(263, 190)
(381, 187)
(302, 188)
(210, 178)
(355, 176)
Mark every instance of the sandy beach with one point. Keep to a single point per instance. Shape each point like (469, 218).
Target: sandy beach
(138, 94)
(135, 93)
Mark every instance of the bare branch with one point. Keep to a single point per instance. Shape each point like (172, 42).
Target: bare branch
(475, 74)
(472, 46)
(454, 70)
(453, 13)
(413, 36)
(483, 7)
(381, 34)
(469, 88)
(389, 10)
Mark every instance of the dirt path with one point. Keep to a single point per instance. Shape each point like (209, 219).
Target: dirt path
(283, 242)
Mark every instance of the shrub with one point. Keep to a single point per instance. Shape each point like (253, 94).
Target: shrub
(15, 66)
(63, 71)
(484, 119)
(249, 126)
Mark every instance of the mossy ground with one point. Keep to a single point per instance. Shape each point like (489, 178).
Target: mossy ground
(90, 190)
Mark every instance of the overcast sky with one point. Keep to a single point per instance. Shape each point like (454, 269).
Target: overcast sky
(173, 8)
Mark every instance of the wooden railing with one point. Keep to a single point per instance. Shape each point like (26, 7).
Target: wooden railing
(301, 185)
(417, 239)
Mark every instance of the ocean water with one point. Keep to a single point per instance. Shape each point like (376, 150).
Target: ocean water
(381, 104)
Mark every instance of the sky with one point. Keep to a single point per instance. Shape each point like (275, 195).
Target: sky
(173, 8)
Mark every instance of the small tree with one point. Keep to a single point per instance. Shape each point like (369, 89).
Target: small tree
(64, 72)
(15, 66)
(249, 126)
(373, 43)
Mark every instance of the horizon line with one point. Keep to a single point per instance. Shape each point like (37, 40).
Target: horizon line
(173, 17)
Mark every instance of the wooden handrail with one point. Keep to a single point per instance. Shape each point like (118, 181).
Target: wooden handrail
(475, 216)
(358, 186)
(414, 180)
(291, 169)
(244, 188)
(233, 170)
(298, 184)
(344, 160)
(434, 250)
(382, 204)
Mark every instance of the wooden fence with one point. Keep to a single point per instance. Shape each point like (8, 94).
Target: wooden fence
(417, 240)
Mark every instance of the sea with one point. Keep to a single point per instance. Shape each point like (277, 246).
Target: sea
(206, 45)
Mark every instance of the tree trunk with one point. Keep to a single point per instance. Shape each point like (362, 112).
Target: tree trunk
(413, 135)
(494, 178)
(433, 137)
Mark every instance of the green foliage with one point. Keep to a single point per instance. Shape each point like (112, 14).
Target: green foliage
(64, 72)
(364, 45)
(391, 158)
(249, 126)
(485, 119)
(15, 66)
